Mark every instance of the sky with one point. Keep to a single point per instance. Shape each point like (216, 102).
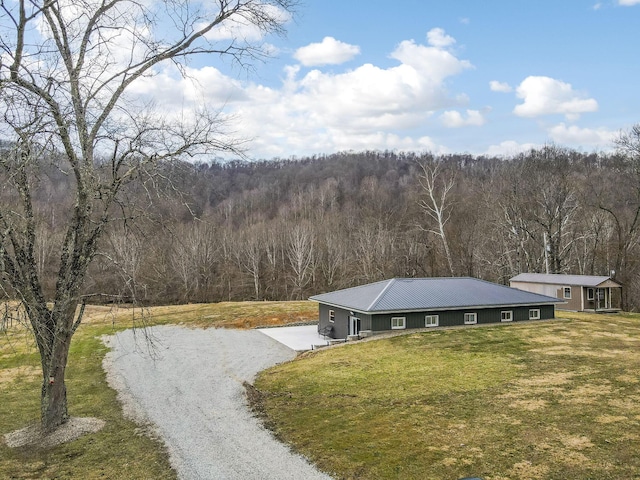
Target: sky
(492, 77)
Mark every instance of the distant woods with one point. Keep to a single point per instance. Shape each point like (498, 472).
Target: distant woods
(287, 229)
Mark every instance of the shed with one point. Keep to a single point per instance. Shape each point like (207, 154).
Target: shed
(402, 303)
(582, 293)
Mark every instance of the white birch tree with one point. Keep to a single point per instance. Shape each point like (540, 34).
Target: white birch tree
(436, 186)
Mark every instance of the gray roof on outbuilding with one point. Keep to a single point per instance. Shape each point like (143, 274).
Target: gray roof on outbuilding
(419, 294)
(560, 279)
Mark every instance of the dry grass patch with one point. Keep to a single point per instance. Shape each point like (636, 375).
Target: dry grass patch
(223, 314)
(530, 405)
(19, 373)
(552, 379)
(576, 442)
(526, 470)
(628, 379)
(611, 418)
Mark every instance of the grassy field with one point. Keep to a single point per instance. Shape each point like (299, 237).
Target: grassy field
(121, 449)
(545, 400)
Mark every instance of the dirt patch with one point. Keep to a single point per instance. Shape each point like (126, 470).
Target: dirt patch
(10, 374)
(33, 435)
(255, 399)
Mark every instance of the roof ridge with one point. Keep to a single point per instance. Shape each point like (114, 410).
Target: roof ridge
(375, 300)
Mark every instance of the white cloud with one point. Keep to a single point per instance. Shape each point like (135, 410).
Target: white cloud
(509, 148)
(547, 96)
(195, 87)
(432, 64)
(368, 107)
(328, 52)
(628, 3)
(436, 37)
(381, 141)
(362, 108)
(497, 86)
(454, 119)
(574, 135)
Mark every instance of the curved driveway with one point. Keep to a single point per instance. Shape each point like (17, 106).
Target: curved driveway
(190, 387)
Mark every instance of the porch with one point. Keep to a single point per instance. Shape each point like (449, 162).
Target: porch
(602, 299)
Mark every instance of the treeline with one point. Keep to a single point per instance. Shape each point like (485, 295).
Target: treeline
(287, 229)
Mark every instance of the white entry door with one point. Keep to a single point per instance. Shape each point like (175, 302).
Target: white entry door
(354, 325)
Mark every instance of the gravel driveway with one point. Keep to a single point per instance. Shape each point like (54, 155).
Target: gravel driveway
(190, 387)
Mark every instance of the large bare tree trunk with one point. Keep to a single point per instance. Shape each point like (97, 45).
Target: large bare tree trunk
(53, 402)
(53, 330)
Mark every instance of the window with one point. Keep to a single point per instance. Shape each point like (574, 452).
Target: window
(590, 294)
(431, 321)
(534, 314)
(506, 316)
(470, 318)
(566, 292)
(397, 323)
(332, 316)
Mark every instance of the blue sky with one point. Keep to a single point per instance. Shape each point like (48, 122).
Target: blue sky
(491, 77)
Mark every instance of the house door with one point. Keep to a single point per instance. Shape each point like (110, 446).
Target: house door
(601, 301)
(354, 325)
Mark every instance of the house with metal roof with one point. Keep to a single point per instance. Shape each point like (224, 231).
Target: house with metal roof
(582, 293)
(403, 303)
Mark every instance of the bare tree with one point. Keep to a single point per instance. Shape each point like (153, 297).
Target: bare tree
(301, 254)
(249, 253)
(333, 256)
(436, 186)
(194, 255)
(66, 78)
(553, 193)
(621, 204)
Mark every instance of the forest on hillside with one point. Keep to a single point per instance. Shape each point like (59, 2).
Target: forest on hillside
(288, 229)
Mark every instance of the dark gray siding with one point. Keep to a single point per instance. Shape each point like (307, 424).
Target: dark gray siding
(340, 327)
(337, 329)
(450, 318)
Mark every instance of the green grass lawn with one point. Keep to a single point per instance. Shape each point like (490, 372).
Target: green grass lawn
(546, 400)
(121, 449)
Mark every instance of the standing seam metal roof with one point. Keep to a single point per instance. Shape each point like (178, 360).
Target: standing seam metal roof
(560, 279)
(410, 294)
